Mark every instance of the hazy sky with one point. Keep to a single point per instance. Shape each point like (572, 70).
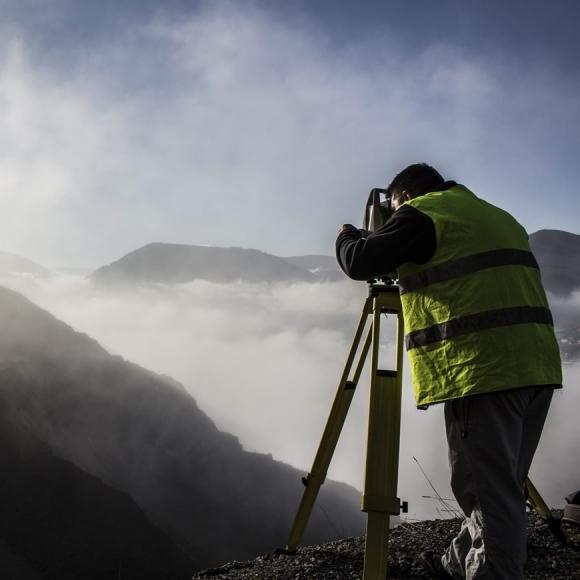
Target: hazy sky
(264, 124)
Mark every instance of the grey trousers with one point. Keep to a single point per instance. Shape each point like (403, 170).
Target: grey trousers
(492, 439)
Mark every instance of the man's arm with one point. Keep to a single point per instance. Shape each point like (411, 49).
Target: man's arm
(408, 236)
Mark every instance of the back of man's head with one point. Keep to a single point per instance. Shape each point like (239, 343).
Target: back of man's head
(415, 180)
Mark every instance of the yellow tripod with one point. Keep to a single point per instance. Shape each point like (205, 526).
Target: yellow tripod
(379, 498)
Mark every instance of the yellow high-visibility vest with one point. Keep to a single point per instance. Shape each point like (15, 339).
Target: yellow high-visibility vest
(476, 315)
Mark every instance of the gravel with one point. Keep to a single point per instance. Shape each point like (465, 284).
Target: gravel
(343, 559)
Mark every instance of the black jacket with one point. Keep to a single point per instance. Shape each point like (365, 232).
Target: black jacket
(408, 236)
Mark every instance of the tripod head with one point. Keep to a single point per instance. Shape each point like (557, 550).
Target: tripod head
(383, 284)
(378, 211)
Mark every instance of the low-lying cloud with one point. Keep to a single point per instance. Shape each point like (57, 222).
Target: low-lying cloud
(264, 360)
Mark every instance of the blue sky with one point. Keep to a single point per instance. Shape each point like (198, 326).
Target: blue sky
(264, 124)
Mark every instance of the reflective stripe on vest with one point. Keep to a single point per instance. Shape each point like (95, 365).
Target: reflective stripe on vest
(478, 322)
(467, 265)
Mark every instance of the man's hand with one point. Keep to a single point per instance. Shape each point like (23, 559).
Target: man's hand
(351, 228)
(345, 227)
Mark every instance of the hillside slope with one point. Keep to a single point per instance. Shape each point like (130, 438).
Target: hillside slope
(59, 522)
(144, 435)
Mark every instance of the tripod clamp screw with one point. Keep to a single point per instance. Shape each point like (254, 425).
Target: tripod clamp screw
(319, 479)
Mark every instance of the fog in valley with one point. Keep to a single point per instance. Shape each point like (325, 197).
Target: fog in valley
(264, 360)
(158, 159)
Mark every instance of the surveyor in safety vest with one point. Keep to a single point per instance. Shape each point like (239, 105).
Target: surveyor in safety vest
(480, 339)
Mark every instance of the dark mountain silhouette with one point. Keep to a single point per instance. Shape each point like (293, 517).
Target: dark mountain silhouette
(177, 263)
(13, 264)
(59, 522)
(324, 267)
(15, 566)
(144, 435)
(558, 254)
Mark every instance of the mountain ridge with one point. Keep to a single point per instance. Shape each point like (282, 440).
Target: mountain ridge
(558, 255)
(179, 263)
(170, 263)
(15, 264)
(158, 262)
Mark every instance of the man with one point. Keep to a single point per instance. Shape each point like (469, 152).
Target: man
(480, 339)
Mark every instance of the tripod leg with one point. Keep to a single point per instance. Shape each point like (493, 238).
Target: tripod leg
(536, 500)
(334, 424)
(538, 503)
(380, 491)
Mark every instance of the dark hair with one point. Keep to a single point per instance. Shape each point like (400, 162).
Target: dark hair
(416, 180)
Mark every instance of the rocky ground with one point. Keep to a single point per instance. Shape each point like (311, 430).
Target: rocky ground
(343, 559)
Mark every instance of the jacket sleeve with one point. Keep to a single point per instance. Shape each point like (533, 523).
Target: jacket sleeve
(408, 236)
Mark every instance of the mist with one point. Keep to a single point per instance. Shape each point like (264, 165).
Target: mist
(264, 360)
